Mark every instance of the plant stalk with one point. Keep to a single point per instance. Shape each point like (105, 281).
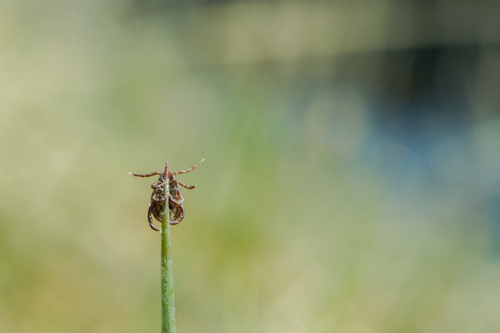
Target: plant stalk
(167, 278)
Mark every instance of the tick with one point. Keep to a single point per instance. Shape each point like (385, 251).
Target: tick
(174, 195)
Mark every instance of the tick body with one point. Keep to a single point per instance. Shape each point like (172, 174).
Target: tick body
(174, 195)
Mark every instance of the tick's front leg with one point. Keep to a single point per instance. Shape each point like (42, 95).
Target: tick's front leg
(147, 175)
(180, 172)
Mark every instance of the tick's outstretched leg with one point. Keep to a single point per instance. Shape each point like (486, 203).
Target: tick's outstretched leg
(156, 173)
(180, 172)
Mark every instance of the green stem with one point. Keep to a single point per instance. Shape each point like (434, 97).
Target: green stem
(167, 278)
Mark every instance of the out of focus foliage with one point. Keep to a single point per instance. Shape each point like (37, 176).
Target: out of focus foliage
(307, 217)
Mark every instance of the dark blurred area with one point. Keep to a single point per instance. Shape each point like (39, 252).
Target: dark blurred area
(351, 181)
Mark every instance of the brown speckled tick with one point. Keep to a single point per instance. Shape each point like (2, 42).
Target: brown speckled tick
(175, 197)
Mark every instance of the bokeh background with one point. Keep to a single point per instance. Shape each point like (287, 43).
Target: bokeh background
(352, 173)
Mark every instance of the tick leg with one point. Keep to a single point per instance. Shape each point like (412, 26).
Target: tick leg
(178, 215)
(190, 169)
(189, 187)
(178, 202)
(156, 173)
(157, 208)
(158, 185)
(150, 219)
(177, 221)
(182, 216)
(174, 202)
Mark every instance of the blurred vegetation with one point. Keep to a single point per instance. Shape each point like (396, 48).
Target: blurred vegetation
(289, 229)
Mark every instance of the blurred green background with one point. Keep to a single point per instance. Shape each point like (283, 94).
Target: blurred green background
(351, 181)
